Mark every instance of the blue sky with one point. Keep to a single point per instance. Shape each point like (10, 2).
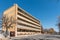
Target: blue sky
(47, 11)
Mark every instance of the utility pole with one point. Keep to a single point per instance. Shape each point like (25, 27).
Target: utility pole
(59, 24)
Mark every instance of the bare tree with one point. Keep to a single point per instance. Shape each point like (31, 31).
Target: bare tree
(45, 31)
(59, 24)
(8, 23)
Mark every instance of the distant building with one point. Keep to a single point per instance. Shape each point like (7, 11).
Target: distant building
(51, 31)
(26, 24)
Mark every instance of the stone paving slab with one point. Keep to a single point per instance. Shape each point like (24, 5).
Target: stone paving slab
(37, 37)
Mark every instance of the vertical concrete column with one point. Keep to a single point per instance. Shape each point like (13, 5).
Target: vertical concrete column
(16, 20)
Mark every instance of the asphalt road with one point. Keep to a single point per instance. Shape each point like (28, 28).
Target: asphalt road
(38, 37)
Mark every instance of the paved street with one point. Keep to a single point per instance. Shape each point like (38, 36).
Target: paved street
(38, 37)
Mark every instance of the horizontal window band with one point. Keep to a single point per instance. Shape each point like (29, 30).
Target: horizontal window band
(26, 17)
(27, 25)
(24, 30)
(27, 14)
(26, 21)
(20, 21)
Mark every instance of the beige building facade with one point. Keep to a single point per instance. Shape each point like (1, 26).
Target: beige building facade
(25, 24)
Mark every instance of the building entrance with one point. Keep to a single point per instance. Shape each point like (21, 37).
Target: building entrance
(12, 33)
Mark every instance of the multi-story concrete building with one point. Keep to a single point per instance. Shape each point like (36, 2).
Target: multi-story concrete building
(25, 24)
